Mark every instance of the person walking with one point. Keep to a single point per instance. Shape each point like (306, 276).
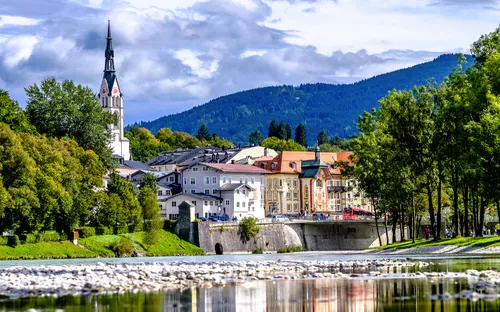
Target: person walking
(497, 228)
(427, 233)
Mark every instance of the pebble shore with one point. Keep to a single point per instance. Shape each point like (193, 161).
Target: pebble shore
(61, 280)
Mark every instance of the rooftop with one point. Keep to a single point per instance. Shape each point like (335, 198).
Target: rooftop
(236, 168)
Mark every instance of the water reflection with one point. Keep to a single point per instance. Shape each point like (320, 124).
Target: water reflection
(310, 295)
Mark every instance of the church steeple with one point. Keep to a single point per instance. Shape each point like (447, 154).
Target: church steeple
(109, 65)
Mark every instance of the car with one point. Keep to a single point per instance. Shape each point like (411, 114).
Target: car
(203, 219)
(280, 219)
(219, 218)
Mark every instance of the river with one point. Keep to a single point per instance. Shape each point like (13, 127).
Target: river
(356, 294)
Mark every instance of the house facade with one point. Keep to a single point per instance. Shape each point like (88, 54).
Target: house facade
(205, 205)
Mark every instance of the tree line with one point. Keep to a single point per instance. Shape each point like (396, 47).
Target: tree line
(435, 146)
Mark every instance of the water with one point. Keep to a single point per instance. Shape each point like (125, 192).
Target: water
(284, 295)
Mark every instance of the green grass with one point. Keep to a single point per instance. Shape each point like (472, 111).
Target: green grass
(290, 249)
(169, 244)
(459, 242)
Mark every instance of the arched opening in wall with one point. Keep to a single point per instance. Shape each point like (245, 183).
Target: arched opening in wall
(218, 249)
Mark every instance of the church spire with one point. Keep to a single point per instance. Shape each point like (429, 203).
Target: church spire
(109, 65)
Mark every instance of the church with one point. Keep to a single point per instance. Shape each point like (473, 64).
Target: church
(111, 99)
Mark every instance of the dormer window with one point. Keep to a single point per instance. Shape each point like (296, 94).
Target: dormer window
(293, 165)
(273, 166)
(263, 165)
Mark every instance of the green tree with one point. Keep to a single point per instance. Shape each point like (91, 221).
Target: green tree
(68, 110)
(322, 138)
(273, 129)
(248, 228)
(151, 215)
(256, 138)
(288, 131)
(12, 114)
(203, 133)
(282, 132)
(149, 180)
(282, 145)
(300, 135)
(132, 211)
(485, 46)
(143, 145)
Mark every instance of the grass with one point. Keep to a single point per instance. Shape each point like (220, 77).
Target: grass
(290, 249)
(458, 241)
(169, 244)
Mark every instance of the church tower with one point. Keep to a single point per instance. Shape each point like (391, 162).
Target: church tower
(111, 99)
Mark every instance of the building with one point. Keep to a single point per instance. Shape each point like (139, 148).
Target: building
(169, 161)
(234, 190)
(309, 182)
(111, 99)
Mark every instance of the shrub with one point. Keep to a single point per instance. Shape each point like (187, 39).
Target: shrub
(290, 249)
(51, 236)
(87, 231)
(121, 230)
(63, 237)
(258, 250)
(223, 228)
(169, 225)
(248, 228)
(13, 241)
(104, 230)
(30, 239)
(4, 240)
(122, 247)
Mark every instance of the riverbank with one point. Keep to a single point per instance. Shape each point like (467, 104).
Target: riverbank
(168, 244)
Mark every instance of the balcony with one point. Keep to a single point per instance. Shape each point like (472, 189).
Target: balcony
(335, 189)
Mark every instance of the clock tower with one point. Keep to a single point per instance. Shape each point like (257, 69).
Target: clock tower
(111, 98)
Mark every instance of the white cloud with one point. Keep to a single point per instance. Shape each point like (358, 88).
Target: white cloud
(17, 20)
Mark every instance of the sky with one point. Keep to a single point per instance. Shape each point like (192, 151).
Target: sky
(171, 55)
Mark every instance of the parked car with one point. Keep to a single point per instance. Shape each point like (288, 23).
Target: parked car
(280, 219)
(203, 219)
(219, 218)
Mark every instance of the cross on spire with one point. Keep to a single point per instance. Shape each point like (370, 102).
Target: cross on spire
(109, 65)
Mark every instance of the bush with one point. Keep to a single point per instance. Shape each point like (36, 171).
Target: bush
(4, 240)
(122, 247)
(290, 249)
(87, 231)
(258, 250)
(63, 237)
(248, 228)
(169, 225)
(13, 241)
(51, 236)
(121, 230)
(30, 239)
(104, 230)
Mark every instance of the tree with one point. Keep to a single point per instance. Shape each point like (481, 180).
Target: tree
(177, 139)
(149, 180)
(300, 135)
(248, 228)
(282, 133)
(256, 138)
(68, 110)
(273, 129)
(288, 131)
(150, 214)
(132, 211)
(12, 114)
(203, 133)
(322, 138)
(282, 145)
(485, 46)
(144, 145)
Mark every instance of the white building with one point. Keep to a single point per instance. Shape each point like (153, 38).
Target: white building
(238, 186)
(111, 99)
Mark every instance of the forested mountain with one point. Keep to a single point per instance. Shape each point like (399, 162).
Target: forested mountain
(333, 108)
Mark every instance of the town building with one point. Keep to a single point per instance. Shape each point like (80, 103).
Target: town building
(232, 190)
(111, 99)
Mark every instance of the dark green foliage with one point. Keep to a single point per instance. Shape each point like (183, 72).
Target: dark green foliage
(63, 109)
(130, 211)
(122, 247)
(300, 135)
(486, 45)
(322, 138)
(87, 231)
(258, 251)
(333, 108)
(151, 215)
(28, 238)
(13, 241)
(256, 138)
(104, 230)
(169, 225)
(203, 133)
(290, 249)
(282, 133)
(273, 129)
(149, 181)
(248, 228)
(12, 114)
(288, 131)
(4, 240)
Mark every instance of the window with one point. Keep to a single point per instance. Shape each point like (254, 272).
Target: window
(246, 180)
(171, 179)
(337, 183)
(289, 207)
(193, 191)
(207, 192)
(168, 193)
(193, 181)
(194, 202)
(211, 203)
(160, 193)
(174, 204)
(243, 204)
(294, 183)
(275, 182)
(215, 192)
(331, 207)
(195, 168)
(206, 180)
(269, 195)
(214, 180)
(241, 180)
(269, 183)
(295, 207)
(206, 202)
(237, 191)
(227, 202)
(238, 204)
(275, 196)
(338, 207)
(306, 192)
(205, 168)
(252, 181)
(349, 195)
(288, 182)
(224, 180)
(185, 181)
(288, 195)
(281, 182)
(243, 191)
(295, 195)
(319, 183)
(229, 180)
(337, 195)
(330, 195)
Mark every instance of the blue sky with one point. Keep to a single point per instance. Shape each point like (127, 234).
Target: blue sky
(175, 54)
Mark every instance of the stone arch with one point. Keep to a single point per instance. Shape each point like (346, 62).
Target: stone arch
(219, 250)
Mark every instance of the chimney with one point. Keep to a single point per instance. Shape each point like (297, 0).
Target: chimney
(223, 147)
(232, 161)
(217, 158)
(265, 151)
(317, 156)
(239, 146)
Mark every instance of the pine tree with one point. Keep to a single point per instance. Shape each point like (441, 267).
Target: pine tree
(322, 138)
(273, 129)
(288, 131)
(256, 138)
(203, 133)
(300, 135)
(282, 131)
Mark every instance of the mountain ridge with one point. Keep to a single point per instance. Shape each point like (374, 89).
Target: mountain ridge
(320, 106)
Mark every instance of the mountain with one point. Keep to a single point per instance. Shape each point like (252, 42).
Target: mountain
(333, 108)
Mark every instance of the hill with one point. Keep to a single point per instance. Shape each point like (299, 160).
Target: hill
(333, 108)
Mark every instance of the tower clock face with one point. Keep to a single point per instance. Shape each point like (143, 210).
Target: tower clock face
(103, 91)
(115, 91)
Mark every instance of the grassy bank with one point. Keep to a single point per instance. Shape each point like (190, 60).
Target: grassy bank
(459, 242)
(99, 246)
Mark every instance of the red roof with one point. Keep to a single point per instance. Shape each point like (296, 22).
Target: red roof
(236, 168)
